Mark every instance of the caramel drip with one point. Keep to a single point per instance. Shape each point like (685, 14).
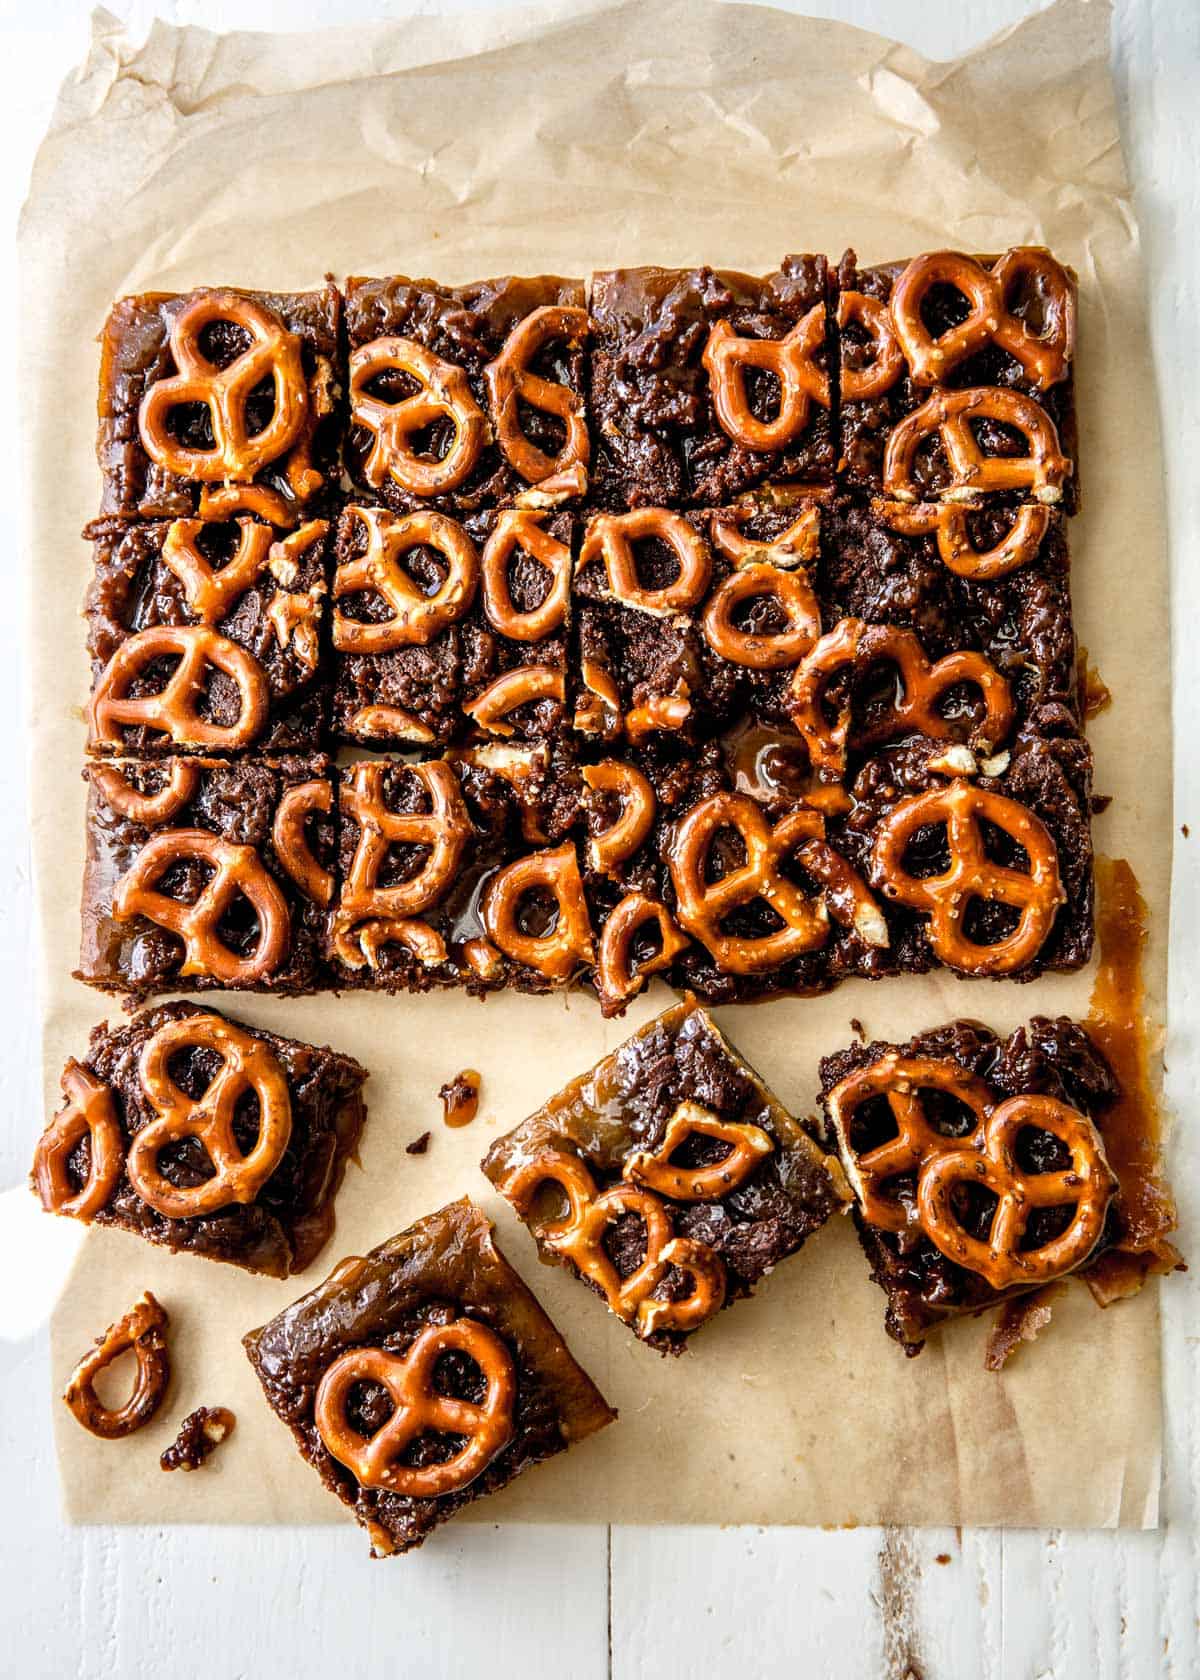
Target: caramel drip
(1095, 696)
(460, 1098)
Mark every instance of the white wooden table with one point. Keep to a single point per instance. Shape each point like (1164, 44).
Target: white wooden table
(586, 1601)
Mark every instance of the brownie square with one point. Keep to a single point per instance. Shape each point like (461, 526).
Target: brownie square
(204, 873)
(433, 1338)
(465, 397)
(936, 1095)
(266, 1205)
(684, 409)
(242, 601)
(219, 402)
(685, 1181)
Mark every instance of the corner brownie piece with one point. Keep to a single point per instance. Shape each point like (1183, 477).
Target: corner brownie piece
(205, 1136)
(205, 873)
(422, 1377)
(206, 636)
(682, 1179)
(218, 402)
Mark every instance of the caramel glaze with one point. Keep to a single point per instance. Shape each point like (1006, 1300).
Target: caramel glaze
(460, 1098)
(1095, 696)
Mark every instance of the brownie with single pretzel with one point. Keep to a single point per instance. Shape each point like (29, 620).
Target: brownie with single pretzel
(694, 1158)
(479, 1384)
(83, 1171)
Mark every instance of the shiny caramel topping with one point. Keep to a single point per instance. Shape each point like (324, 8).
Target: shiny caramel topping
(511, 383)
(799, 545)
(610, 537)
(557, 953)
(416, 617)
(444, 396)
(144, 1330)
(660, 712)
(948, 415)
(792, 362)
(390, 723)
(951, 525)
(89, 1113)
(599, 709)
(1045, 357)
(748, 1146)
(175, 709)
(519, 531)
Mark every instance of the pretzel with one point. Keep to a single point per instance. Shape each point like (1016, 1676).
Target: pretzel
(389, 723)
(257, 500)
(413, 935)
(420, 1408)
(619, 975)
(283, 561)
(855, 645)
(416, 617)
(483, 959)
(948, 414)
(660, 711)
(291, 846)
(1087, 1185)
(963, 808)
(610, 537)
(444, 829)
(610, 848)
(210, 593)
(144, 1330)
(951, 525)
(237, 869)
(845, 893)
(599, 710)
(793, 596)
(515, 688)
(445, 394)
(704, 905)
(89, 1113)
(860, 384)
(151, 810)
(790, 359)
(556, 954)
(579, 1237)
(247, 1064)
(748, 1146)
(295, 617)
(519, 766)
(175, 708)
(1045, 357)
(510, 383)
(799, 545)
(900, 1081)
(518, 529)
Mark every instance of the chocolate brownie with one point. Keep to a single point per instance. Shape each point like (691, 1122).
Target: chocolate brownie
(260, 1194)
(685, 1181)
(422, 1377)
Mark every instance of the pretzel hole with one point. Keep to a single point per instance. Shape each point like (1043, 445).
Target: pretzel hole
(537, 913)
(760, 615)
(218, 702)
(726, 854)
(529, 582)
(655, 563)
(547, 431)
(974, 1207)
(944, 307)
(1038, 1151)
(927, 852)
(79, 1163)
(988, 921)
(645, 945)
(1001, 848)
(625, 1243)
(995, 437)
(858, 350)
(114, 1383)
(189, 424)
(223, 341)
(697, 1150)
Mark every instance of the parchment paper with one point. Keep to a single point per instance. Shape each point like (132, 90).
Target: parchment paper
(585, 137)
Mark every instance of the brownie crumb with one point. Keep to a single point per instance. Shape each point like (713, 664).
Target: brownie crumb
(1183, 829)
(200, 1434)
(857, 1028)
(419, 1145)
(460, 1098)
(942, 1557)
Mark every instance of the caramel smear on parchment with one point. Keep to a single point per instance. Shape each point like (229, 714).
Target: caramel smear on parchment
(1095, 696)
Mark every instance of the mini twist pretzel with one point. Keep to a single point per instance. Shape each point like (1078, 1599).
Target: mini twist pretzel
(900, 1080)
(948, 414)
(963, 808)
(416, 617)
(621, 839)
(794, 597)
(519, 529)
(513, 689)
(790, 359)
(274, 353)
(144, 1330)
(237, 870)
(556, 954)
(1087, 1185)
(445, 394)
(210, 594)
(510, 383)
(1045, 357)
(151, 810)
(291, 846)
(951, 525)
(175, 708)
(611, 536)
(89, 1113)
(799, 545)
(748, 1145)
(854, 644)
(375, 1461)
(861, 310)
(619, 975)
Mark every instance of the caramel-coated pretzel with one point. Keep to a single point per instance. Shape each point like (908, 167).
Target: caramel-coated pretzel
(515, 688)
(1044, 357)
(151, 810)
(951, 525)
(1042, 471)
(790, 360)
(748, 1146)
(445, 394)
(1087, 1185)
(91, 1113)
(291, 844)
(799, 545)
(210, 593)
(295, 617)
(610, 537)
(144, 1330)
(510, 383)
(658, 711)
(612, 847)
(416, 617)
(847, 897)
(237, 870)
(703, 905)
(274, 353)
(887, 364)
(409, 932)
(520, 529)
(792, 594)
(619, 975)
(175, 708)
(390, 723)
(556, 954)
(964, 808)
(375, 1461)
(247, 1064)
(599, 709)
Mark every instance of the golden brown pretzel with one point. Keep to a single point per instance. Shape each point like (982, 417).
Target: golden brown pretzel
(748, 1146)
(660, 711)
(149, 809)
(599, 710)
(295, 617)
(862, 310)
(237, 869)
(510, 383)
(1045, 357)
(618, 842)
(799, 545)
(515, 688)
(375, 1461)
(247, 1064)
(273, 353)
(951, 524)
(847, 896)
(413, 935)
(556, 954)
(144, 1330)
(291, 846)
(794, 597)
(619, 974)
(416, 617)
(390, 723)
(1042, 471)
(209, 593)
(91, 1113)
(175, 708)
(703, 904)
(790, 359)
(520, 529)
(610, 537)
(1087, 1185)
(964, 808)
(445, 394)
